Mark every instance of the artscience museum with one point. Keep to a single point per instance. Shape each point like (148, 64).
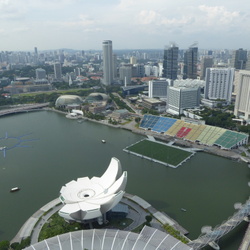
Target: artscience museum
(89, 199)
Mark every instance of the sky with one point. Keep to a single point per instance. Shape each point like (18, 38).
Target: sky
(130, 24)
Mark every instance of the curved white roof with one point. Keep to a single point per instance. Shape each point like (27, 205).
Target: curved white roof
(100, 239)
(90, 198)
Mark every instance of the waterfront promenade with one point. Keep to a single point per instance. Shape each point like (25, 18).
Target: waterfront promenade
(138, 210)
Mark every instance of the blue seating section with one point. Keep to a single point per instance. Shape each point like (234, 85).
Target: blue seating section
(157, 123)
(149, 121)
(163, 124)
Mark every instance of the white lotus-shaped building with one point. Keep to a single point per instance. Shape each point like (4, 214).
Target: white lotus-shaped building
(87, 199)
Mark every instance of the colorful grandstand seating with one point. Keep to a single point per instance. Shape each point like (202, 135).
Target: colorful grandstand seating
(205, 134)
(183, 132)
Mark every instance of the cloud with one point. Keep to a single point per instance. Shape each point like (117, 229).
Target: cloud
(82, 21)
(218, 15)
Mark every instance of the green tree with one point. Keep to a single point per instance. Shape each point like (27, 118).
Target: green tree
(4, 245)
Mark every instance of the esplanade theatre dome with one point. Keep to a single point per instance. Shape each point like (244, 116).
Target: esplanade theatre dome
(97, 97)
(65, 100)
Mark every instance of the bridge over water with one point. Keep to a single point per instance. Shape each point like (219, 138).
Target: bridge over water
(209, 236)
(23, 108)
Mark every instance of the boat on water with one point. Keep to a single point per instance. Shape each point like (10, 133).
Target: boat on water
(103, 141)
(183, 209)
(14, 189)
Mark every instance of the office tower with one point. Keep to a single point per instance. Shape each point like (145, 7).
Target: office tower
(206, 62)
(107, 62)
(36, 52)
(242, 102)
(133, 60)
(125, 72)
(138, 70)
(190, 63)
(155, 71)
(219, 84)
(170, 62)
(248, 62)
(181, 98)
(57, 71)
(77, 71)
(158, 88)
(239, 59)
(40, 74)
(148, 70)
(114, 66)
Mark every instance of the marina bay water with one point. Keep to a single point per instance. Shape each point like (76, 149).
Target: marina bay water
(54, 150)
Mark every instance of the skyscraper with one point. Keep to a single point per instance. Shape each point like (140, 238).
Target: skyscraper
(219, 84)
(125, 72)
(107, 62)
(57, 71)
(170, 62)
(242, 102)
(190, 63)
(239, 59)
(206, 62)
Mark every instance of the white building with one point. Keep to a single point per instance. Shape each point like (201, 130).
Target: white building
(87, 199)
(242, 102)
(148, 70)
(155, 71)
(179, 99)
(158, 88)
(107, 62)
(219, 84)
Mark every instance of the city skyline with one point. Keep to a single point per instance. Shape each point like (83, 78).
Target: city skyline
(142, 24)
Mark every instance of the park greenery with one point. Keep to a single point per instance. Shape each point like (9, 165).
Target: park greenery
(160, 152)
(5, 244)
(218, 118)
(175, 233)
(121, 104)
(56, 225)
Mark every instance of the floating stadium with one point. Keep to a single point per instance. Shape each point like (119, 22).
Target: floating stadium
(194, 132)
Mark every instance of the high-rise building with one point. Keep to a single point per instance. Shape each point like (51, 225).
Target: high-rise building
(239, 59)
(125, 72)
(181, 98)
(206, 62)
(107, 62)
(170, 62)
(57, 71)
(40, 74)
(133, 60)
(219, 84)
(242, 102)
(190, 63)
(138, 70)
(114, 66)
(158, 88)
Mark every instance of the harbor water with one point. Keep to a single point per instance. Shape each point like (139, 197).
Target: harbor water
(49, 150)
